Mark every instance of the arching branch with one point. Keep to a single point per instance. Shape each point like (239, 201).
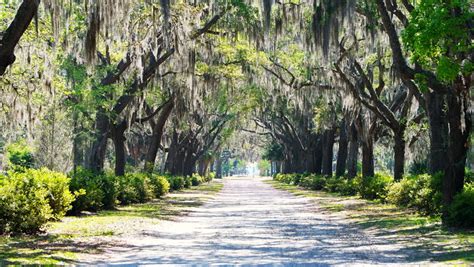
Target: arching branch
(25, 14)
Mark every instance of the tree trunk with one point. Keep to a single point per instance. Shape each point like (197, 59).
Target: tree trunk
(328, 147)
(368, 159)
(438, 132)
(399, 149)
(119, 145)
(99, 145)
(178, 163)
(459, 131)
(342, 152)
(218, 167)
(172, 154)
(77, 143)
(202, 167)
(311, 160)
(298, 161)
(318, 155)
(158, 130)
(353, 152)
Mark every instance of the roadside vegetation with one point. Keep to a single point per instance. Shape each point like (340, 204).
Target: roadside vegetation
(425, 236)
(112, 104)
(67, 240)
(419, 193)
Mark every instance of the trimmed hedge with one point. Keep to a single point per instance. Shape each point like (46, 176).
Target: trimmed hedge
(374, 187)
(461, 210)
(161, 186)
(176, 182)
(30, 198)
(134, 188)
(57, 185)
(419, 192)
(94, 192)
(104, 191)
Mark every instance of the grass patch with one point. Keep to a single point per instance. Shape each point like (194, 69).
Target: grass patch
(424, 235)
(334, 207)
(64, 241)
(41, 250)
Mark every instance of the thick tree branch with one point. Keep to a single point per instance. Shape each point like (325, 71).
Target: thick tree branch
(25, 14)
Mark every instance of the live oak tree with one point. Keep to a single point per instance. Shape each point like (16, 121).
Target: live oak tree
(168, 85)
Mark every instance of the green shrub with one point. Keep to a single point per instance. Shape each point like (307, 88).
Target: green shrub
(313, 182)
(211, 176)
(24, 204)
(197, 179)
(347, 187)
(143, 186)
(134, 188)
(461, 210)
(421, 192)
(332, 184)
(176, 182)
(109, 186)
(468, 176)
(374, 187)
(29, 198)
(188, 182)
(401, 193)
(296, 178)
(19, 155)
(418, 167)
(57, 185)
(161, 186)
(289, 178)
(94, 192)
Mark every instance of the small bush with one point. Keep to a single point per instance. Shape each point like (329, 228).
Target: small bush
(24, 204)
(161, 186)
(19, 155)
(332, 184)
(109, 186)
(374, 187)
(420, 192)
(289, 178)
(401, 193)
(347, 187)
(461, 210)
(211, 176)
(313, 182)
(468, 176)
(197, 179)
(176, 182)
(134, 188)
(296, 179)
(93, 192)
(57, 186)
(188, 182)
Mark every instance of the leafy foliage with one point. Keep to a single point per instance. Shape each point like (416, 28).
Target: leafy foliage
(176, 182)
(161, 186)
(30, 198)
(20, 155)
(437, 36)
(421, 192)
(374, 187)
(57, 185)
(94, 192)
(461, 211)
(134, 188)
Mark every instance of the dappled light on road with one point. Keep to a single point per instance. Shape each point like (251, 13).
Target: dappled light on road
(250, 222)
